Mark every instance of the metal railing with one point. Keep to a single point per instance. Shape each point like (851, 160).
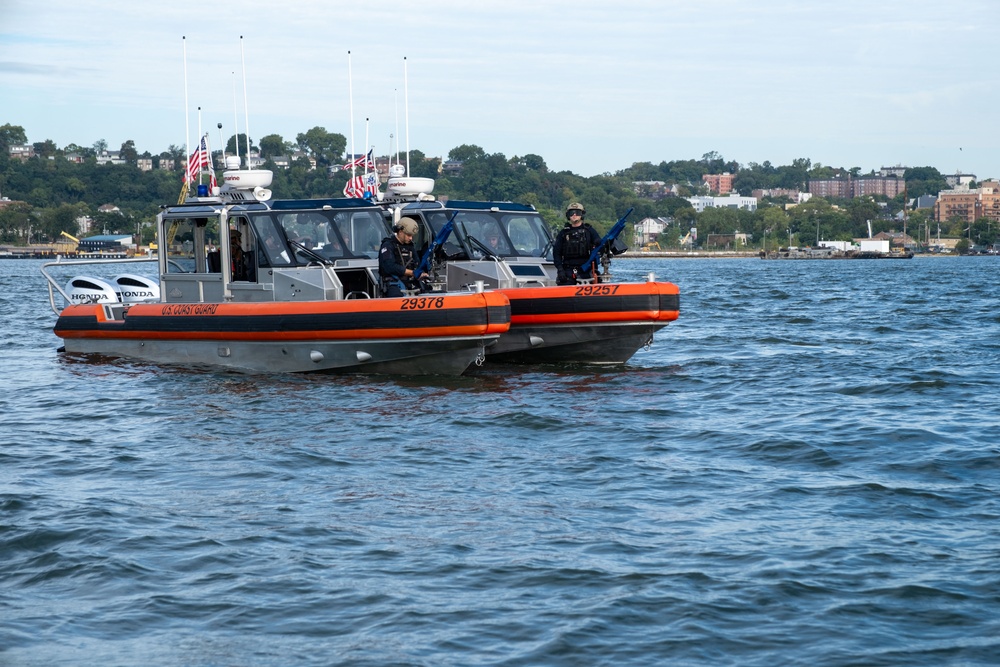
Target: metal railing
(80, 262)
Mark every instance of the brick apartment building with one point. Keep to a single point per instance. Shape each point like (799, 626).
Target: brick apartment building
(720, 183)
(850, 187)
(968, 205)
(961, 205)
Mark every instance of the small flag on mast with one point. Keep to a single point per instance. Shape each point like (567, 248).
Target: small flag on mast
(200, 160)
(370, 184)
(362, 161)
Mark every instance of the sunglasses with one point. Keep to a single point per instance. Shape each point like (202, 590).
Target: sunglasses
(575, 212)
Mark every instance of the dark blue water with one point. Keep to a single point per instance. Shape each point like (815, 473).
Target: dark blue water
(803, 469)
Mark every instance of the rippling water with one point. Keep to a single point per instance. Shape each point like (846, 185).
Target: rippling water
(803, 469)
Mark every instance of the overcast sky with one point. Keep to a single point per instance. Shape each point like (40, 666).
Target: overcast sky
(591, 86)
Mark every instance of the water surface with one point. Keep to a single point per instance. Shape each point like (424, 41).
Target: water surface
(803, 469)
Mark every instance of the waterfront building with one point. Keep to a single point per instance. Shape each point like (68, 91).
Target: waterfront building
(961, 205)
(648, 230)
(989, 200)
(727, 241)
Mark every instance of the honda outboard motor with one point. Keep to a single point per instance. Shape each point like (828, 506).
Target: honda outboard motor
(136, 289)
(85, 289)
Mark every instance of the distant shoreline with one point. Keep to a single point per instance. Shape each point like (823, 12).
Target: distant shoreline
(656, 254)
(730, 254)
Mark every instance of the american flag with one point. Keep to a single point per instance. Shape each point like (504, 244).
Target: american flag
(365, 161)
(355, 187)
(200, 160)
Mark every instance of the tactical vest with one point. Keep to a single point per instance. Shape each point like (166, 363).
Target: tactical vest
(576, 243)
(406, 256)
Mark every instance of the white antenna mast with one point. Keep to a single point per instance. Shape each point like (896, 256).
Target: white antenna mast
(236, 124)
(187, 118)
(246, 108)
(395, 106)
(366, 146)
(201, 171)
(350, 97)
(406, 113)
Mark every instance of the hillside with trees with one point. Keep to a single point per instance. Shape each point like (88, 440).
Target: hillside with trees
(50, 192)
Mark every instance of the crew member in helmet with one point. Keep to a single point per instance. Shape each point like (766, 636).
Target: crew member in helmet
(573, 245)
(397, 259)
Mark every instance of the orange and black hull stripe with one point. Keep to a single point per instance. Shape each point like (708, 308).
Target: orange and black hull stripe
(594, 304)
(428, 316)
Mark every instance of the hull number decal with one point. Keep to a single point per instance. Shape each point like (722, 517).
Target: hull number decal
(422, 303)
(596, 290)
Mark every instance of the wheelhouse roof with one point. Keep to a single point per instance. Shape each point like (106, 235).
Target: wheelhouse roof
(207, 209)
(472, 206)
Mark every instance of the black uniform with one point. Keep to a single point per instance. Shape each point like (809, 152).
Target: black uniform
(394, 258)
(571, 250)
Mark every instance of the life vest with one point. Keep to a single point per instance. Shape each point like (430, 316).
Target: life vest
(405, 254)
(576, 242)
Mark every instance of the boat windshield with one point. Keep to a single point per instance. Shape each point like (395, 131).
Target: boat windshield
(331, 234)
(499, 233)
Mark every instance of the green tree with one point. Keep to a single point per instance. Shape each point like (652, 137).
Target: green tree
(421, 166)
(231, 147)
(467, 153)
(15, 222)
(56, 220)
(923, 181)
(128, 152)
(326, 147)
(82, 151)
(861, 210)
(773, 221)
(12, 135)
(273, 145)
(45, 149)
(75, 188)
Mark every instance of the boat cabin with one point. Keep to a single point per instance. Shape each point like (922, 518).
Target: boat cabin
(282, 250)
(502, 244)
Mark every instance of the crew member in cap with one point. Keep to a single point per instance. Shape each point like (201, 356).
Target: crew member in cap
(573, 245)
(397, 259)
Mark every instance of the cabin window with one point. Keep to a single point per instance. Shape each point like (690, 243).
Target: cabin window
(271, 247)
(188, 243)
(528, 234)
